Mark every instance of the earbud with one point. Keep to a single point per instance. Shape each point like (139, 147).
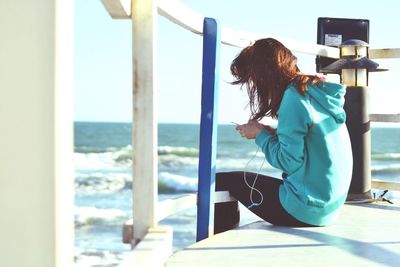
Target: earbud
(253, 205)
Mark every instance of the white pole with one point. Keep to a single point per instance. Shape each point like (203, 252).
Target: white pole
(36, 133)
(63, 132)
(144, 134)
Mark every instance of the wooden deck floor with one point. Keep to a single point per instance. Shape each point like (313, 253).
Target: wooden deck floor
(365, 235)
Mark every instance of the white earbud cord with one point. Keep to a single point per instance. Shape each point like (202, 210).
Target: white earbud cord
(252, 187)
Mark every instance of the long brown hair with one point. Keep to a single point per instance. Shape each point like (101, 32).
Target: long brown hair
(267, 68)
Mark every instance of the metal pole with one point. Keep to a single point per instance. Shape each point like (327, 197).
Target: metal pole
(357, 122)
(208, 129)
(358, 125)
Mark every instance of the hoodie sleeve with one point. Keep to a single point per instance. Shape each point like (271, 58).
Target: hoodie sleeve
(285, 150)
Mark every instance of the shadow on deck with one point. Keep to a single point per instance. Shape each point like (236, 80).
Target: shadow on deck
(365, 235)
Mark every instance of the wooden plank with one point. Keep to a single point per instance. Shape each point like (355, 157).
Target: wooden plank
(223, 196)
(144, 133)
(384, 53)
(384, 117)
(181, 15)
(165, 208)
(171, 206)
(118, 9)
(364, 235)
(152, 251)
(243, 39)
(189, 19)
(208, 129)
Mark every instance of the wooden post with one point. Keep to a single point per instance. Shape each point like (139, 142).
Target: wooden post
(63, 133)
(144, 134)
(36, 133)
(208, 129)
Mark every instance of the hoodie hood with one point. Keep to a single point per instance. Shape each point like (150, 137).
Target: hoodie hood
(331, 97)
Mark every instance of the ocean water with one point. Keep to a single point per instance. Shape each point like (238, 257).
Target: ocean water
(103, 200)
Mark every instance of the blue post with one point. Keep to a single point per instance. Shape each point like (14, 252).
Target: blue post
(208, 129)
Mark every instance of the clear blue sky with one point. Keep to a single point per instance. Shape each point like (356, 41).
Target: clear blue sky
(103, 55)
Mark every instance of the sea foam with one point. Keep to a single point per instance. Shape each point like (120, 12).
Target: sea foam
(92, 215)
(177, 182)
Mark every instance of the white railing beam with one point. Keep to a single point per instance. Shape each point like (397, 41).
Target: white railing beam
(223, 196)
(118, 9)
(384, 117)
(384, 53)
(189, 19)
(166, 208)
(243, 39)
(383, 185)
(169, 207)
(181, 15)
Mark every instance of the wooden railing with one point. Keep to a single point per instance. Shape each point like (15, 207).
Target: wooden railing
(190, 20)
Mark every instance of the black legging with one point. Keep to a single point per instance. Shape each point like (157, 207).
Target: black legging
(270, 210)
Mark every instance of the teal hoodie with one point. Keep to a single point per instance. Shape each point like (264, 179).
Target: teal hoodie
(312, 147)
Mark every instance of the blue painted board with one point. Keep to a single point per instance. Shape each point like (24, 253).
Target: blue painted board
(208, 129)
